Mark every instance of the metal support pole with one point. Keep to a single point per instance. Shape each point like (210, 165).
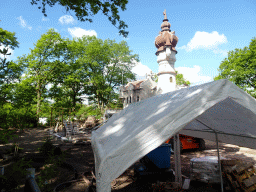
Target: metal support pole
(178, 177)
(217, 142)
(221, 180)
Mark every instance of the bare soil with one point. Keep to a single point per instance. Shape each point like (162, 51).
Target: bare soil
(81, 156)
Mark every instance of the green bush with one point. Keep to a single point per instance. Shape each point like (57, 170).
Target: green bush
(86, 111)
(15, 117)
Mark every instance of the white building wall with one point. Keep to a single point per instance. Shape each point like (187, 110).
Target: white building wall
(166, 72)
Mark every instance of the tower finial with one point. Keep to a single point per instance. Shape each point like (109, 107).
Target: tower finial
(165, 16)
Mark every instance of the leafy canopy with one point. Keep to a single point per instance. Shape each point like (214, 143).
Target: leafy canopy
(86, 8)
(9, 71)
(109, 66)
(44, 62)
(180, 80)
(240, 68)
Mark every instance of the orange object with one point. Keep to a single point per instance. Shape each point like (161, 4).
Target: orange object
(187, 142)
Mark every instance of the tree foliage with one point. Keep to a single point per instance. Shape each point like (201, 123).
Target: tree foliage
(180, 80)
(44, 62)
(62, 70)
(109, 65)
(71, 82)
(240, 68)
(84, 9)
(13, 114)
(9, 71)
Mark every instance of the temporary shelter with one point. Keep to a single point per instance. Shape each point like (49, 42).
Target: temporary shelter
(218, 107)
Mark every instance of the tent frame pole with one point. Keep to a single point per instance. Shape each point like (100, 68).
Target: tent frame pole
(178, 177)
(218, 152)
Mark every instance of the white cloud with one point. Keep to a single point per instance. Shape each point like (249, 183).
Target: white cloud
(23, 23)
(79, 32)
(66, 19)
(220, 51)
(141, 70)
(205, 40)
(193, 74)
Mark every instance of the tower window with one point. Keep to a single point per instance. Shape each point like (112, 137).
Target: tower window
(171, 79)
(138, 98)
(127, 99)
(130, 99)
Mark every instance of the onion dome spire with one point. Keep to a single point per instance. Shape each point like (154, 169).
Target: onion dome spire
(166, 37)
(165, 25)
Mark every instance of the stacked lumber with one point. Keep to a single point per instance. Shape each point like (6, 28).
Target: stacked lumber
(241, 176)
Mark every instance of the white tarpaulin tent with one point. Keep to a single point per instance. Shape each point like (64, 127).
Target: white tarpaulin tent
(216, 107)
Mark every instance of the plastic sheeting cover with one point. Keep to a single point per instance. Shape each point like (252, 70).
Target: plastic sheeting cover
(143, 126)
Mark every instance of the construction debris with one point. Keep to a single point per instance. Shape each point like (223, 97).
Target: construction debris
(238, 176)
(205, 169)
(241, 177)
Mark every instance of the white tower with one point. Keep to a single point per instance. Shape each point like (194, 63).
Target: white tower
(165, 42)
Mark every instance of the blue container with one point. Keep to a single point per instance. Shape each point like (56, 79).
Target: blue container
(161, 156)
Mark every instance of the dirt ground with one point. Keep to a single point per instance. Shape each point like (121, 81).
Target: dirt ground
(81, 156)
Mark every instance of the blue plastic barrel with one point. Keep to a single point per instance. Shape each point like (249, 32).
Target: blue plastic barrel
(161, 156)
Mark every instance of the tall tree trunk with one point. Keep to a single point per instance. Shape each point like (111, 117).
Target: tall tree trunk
(102, 107)
(38, 104)
(98, 100)
(74, 100)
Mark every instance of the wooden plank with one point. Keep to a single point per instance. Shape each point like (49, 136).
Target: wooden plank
(249, 182)
(230, 162)
(251, 189)
(242, 177)
(240, 167)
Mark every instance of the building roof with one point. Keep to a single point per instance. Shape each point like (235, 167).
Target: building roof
(136, 84)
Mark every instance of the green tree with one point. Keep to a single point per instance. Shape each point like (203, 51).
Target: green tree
(180, 80)
(85, 8)
(239, 68)
(70, 85)
(9, 71)
(44, 63)
(109, 64)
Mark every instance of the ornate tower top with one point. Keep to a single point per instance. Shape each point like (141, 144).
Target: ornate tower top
(166, 37)
(165, 16)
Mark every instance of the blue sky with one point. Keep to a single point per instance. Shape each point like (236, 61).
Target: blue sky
(207, 30)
